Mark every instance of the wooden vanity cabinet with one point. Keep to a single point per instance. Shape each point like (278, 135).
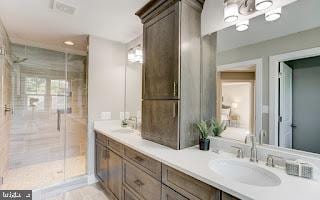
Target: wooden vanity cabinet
(171, 71)
(101, 163)
(160, 122)
(130, 175)
(161, 63)
(108, 167)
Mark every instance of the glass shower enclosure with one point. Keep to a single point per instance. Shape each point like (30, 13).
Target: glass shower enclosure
(48, 136)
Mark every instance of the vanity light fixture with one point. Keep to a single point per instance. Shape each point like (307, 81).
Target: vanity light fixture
(273, 15)
(69, 43)
(242, 26)
(263, 4)
(231, 11)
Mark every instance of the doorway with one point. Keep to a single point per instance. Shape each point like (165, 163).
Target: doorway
(299, 108)
(241, 111)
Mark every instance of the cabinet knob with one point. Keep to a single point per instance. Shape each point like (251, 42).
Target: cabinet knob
(174, 110)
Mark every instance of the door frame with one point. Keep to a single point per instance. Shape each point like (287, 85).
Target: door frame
(274, 85)
(258, 83)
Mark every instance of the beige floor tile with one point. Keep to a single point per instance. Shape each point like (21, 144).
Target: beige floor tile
(91, 192)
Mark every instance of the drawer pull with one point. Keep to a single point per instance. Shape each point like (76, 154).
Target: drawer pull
(139, 159)
(138, 183)
(174, 89)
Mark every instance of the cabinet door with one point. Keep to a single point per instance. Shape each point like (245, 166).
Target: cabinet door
(161, 55)
(114, 174)
(169, 194)
(160, 122)
(101, 163)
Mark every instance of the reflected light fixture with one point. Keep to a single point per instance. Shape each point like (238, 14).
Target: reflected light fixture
(69, 43)
(231, 11)
(263, 4)
(242, 26)
(135, 54)
(273, 15)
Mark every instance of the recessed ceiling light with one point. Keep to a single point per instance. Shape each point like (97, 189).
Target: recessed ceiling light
(273, 15)
(263, 4)
(242, 26)
(69, 43)
(231, 12)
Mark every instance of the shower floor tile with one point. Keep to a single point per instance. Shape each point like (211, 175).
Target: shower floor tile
(44, 174)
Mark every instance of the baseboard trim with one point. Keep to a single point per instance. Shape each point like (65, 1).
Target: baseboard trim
(59, 188)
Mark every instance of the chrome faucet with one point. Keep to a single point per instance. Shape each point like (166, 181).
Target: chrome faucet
(270, 160)
(253, 152)
(239, 153)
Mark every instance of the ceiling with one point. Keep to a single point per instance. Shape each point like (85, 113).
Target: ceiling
(34, 20)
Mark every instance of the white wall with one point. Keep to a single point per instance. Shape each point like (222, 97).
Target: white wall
(106, 85)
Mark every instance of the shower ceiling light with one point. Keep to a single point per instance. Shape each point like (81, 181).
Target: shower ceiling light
(263, 4)
(242, 26)
(231, 12)
(69, 43)
(273, 15)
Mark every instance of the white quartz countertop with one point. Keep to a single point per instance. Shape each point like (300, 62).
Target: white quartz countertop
(194, 162)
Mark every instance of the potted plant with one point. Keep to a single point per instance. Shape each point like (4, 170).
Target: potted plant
(205, 129)
(217, 127)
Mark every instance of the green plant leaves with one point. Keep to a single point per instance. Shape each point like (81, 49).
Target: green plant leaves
(213, 127)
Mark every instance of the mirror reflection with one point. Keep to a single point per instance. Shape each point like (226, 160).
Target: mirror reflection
(133, 80)
(236, 93)
(268, 77)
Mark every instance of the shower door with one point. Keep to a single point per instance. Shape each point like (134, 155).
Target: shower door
(47, 142)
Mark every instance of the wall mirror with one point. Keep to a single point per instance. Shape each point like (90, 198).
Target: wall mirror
(268, 78)
(133, 81)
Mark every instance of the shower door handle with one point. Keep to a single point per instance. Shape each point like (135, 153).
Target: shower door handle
(62, 111)
(58, 120)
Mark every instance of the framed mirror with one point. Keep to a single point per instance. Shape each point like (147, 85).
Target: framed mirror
(268, 78)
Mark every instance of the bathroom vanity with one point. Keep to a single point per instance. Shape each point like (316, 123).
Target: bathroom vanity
(131, 175)
(130, 167)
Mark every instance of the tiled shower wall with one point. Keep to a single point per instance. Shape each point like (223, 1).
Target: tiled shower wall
(5, 95)
(39, 86)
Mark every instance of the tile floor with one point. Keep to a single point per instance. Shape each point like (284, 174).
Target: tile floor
(44, 174)
(91, 192)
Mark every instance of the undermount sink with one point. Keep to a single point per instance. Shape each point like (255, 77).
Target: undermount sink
(123, 130)
(244, 172)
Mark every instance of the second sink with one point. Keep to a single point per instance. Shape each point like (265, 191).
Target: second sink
(244, 172)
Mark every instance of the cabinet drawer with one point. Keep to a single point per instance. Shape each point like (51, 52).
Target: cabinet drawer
(101, 138)
(148, 164)
(169, 194)
(188, 186)
(140, 182)
(226, 196)
(127, 195)
(115, 146)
